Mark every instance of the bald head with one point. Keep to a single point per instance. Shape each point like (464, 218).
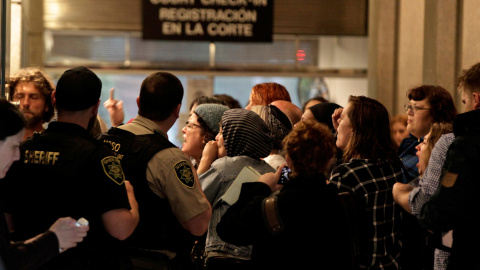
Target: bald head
(293, 112)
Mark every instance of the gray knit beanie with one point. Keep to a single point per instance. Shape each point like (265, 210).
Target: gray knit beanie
(211, 114)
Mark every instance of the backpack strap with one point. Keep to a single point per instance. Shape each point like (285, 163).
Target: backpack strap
(271, 215)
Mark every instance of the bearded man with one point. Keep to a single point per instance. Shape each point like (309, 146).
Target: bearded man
(31, 89)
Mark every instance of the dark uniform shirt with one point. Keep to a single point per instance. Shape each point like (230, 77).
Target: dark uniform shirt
(64, 172)
(455, 206)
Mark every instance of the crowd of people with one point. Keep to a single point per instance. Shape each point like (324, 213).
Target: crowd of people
(269, 186)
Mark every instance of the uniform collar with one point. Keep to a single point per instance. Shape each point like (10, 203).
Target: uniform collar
(148, 124)
(65, 127)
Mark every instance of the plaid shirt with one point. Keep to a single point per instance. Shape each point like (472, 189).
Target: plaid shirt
(428, 185)
(373, 181)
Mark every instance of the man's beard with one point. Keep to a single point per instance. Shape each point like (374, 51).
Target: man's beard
(91, 125)
(32, 120)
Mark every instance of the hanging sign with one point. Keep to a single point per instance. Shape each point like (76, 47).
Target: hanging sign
(208, 20)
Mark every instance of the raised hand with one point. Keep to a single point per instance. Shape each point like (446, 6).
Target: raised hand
(115, 109)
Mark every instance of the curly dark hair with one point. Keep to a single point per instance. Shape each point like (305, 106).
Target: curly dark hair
(41, 81)
(311, 147)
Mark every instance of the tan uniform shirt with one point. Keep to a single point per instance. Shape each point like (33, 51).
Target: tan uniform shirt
(169, 173)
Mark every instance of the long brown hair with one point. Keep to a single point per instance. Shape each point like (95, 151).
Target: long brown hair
(370, 137)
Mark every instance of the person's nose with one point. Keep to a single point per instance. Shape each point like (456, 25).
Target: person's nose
(25, 102)
(418, 147)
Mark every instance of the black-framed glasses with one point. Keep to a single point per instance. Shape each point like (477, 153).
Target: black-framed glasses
(414, 108)
(190, 125)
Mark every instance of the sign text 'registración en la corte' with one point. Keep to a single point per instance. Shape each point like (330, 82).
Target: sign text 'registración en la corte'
(208, 20)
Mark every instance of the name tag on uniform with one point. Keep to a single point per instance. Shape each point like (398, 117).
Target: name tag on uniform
(41, 157)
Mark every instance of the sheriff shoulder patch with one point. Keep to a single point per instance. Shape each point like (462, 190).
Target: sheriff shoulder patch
(184, 173)
(113, 169)
(449, 179)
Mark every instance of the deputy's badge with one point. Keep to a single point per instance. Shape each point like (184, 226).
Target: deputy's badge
(449, 179)
(184, 173)
(113, 169)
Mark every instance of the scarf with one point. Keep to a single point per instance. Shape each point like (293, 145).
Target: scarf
(245, 134)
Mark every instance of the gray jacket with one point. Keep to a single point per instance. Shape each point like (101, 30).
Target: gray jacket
(215, 182)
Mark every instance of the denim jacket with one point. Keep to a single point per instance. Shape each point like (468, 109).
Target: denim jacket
(215, 182)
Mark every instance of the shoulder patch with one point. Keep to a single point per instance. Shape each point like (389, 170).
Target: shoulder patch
(449, 179)
(112, 168)
(184, 173)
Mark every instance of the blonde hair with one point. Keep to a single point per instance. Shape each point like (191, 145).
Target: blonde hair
(436, 131)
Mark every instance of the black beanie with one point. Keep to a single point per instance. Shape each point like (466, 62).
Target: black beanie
(323, 113)
(78, 89)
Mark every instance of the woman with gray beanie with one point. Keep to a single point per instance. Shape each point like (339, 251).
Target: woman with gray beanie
(245, 139)
(202, 126)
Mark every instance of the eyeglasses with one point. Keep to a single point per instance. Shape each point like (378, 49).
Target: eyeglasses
(191, 125)
(414, 108)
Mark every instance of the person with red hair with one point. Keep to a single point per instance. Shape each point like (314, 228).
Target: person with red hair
(266, 93)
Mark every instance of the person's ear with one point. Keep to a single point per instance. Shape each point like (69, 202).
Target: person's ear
(95, 108)
(54, 100)
(177, 110)
(476, 100)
